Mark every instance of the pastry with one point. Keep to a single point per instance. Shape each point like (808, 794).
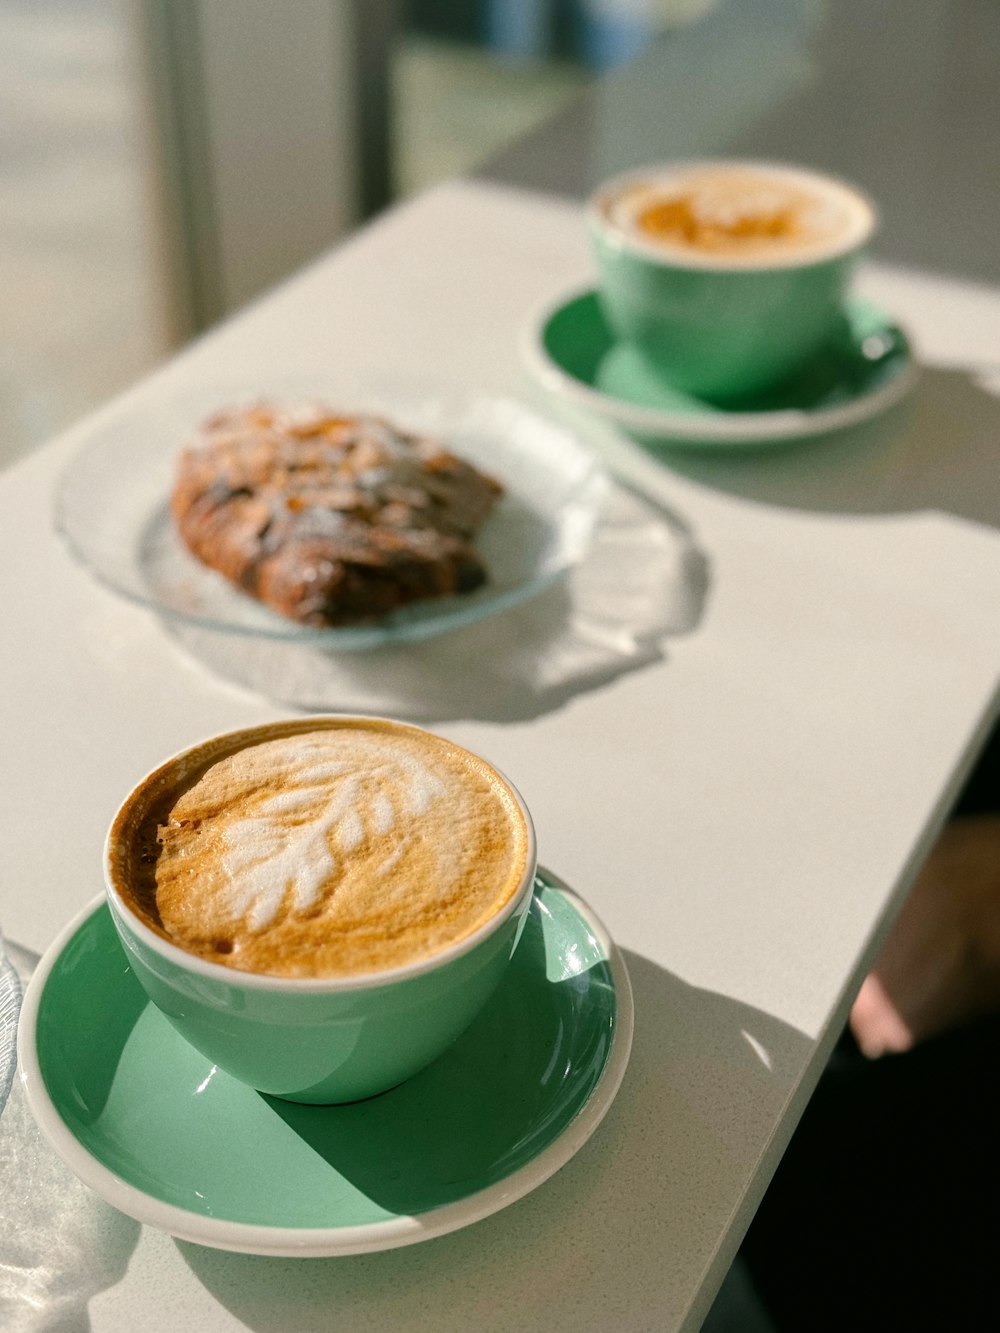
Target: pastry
(330, 519)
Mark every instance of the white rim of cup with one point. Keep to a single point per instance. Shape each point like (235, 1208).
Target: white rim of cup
(677, 258)
(190, 962)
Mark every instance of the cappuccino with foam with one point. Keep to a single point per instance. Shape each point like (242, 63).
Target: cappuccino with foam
(722, 280)
(320, 848)
(738, 214)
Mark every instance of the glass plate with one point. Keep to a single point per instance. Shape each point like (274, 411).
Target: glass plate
(112, 509)
(10, 1006)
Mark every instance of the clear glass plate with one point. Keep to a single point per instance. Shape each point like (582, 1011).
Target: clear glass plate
(112, 508)
(10, 1007)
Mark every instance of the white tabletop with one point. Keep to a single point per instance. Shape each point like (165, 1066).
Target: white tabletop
(743, 809)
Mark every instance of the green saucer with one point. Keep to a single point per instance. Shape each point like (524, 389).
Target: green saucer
(163, 1135)
(866, 368)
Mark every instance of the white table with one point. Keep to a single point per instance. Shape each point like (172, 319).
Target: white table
(744, 811)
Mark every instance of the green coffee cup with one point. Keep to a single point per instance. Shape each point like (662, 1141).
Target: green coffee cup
(315, 1039)
(721, 300)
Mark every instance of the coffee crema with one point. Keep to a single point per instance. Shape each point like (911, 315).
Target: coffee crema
(739, 214)
(322, 849)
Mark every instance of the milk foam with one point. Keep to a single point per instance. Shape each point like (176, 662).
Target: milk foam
(815, 215)
(292, 844)
(352, 847)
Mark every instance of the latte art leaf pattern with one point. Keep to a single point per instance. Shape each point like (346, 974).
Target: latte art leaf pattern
(291, 844)
(353, 847)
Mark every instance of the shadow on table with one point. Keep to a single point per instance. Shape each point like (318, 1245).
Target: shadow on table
(614, 1236)
(473, 1121)
(938, 450)
(644, 581)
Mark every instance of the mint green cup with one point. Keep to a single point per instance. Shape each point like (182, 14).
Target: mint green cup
(725, 326)
(329, 1039)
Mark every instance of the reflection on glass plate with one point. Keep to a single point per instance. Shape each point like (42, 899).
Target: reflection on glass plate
(112, 509)
(10, 1005)
(644, 580)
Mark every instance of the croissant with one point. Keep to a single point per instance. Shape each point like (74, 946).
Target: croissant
(326, 518)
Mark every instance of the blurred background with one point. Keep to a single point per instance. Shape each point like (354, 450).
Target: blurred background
(162, 161)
